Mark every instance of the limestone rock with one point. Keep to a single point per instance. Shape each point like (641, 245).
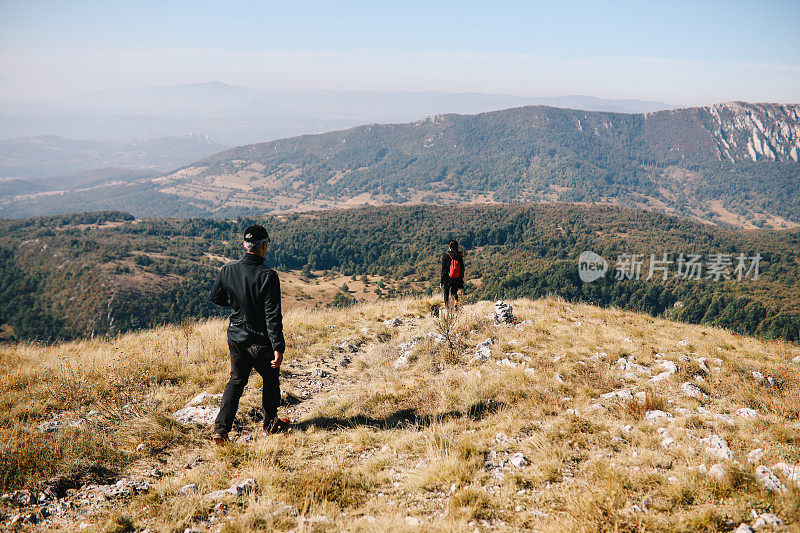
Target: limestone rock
(204, 398)
(285, 510)
(746, 412)
(240, 489)
(658, 416)
(401, 362)
(393, 322)
(791, 472)
(755, 456)
(717, 471)
(506, 362)
(202, 415)
(717, 447)
(768, 480)
(121, 489)
(518, 460)
(768, 520)
(667, 366)
(483, 351)
(690, 389)
(660, 377)
(314, 524)
(622, 394)
(191, 488)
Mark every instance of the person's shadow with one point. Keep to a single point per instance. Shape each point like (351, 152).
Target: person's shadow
(400, 419)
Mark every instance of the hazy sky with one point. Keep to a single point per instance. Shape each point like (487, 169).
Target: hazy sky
(681, 52)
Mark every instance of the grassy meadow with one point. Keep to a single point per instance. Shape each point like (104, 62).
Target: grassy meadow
(429, 444)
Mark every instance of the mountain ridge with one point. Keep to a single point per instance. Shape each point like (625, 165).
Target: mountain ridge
(678, 160)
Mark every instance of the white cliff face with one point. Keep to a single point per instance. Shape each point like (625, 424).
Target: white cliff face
(758, 132)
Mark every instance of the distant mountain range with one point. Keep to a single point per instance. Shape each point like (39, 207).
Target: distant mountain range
(237, 115)
(733, 163)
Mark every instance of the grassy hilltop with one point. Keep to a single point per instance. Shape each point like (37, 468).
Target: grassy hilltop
(397, 430)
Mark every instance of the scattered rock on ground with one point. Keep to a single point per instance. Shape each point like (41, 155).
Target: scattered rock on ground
(204, 398)
(622, 394)
(746, 412)
(285, 510)
(191, 488)
(201, 414)
(483, 351)
(690, 389)
(518, 460)
(717, 471)
(658, 416)
(768, 480)
(667, 366)
(393, 322)
(717, 447)
(767, 520)
(240, 489)
(755, 456)
(791, 472)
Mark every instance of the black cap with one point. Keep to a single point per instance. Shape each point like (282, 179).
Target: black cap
(256, 234)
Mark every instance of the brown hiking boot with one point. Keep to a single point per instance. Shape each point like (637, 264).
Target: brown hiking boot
(220, 437)
(278, 425)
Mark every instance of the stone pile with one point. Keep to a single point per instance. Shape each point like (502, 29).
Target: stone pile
(503, 313)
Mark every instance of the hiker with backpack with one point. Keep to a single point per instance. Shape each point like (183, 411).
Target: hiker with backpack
(452, 273)
(255, 333)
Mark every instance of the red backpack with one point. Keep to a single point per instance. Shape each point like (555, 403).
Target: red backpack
(455, 267)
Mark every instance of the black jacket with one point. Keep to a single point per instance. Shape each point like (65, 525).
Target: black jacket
(454, 282)
(253, 291)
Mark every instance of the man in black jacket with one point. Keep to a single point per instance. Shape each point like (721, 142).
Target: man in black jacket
(452, 273)
(255, 333)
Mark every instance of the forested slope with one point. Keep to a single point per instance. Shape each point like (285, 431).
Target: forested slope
(104, 272)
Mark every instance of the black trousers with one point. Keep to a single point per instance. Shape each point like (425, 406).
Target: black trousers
(450, 289)
(246, 356)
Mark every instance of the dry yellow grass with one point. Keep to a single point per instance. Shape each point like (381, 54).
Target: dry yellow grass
(419, 447)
